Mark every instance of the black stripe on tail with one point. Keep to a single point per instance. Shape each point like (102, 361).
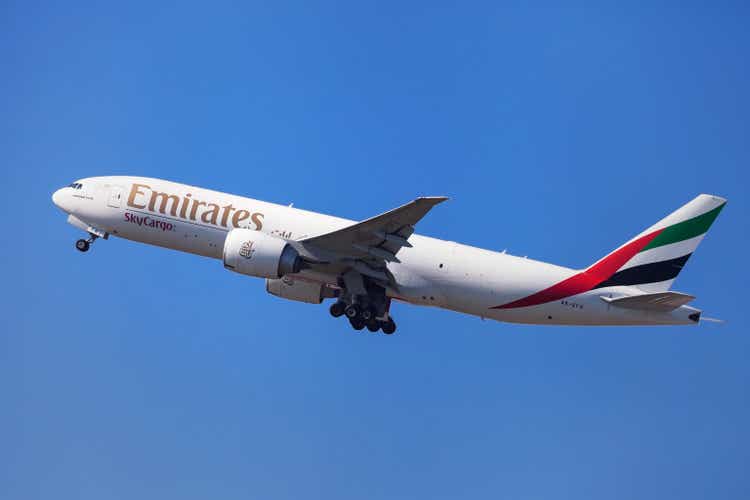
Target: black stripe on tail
(647, 273)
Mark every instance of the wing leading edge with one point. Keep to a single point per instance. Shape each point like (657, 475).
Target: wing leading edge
(377, 239)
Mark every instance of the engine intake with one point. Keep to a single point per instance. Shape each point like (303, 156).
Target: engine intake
(253, 253)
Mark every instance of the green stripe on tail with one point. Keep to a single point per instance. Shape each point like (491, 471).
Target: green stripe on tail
(686, 229)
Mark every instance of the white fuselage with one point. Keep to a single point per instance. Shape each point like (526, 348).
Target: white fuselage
(432, 272)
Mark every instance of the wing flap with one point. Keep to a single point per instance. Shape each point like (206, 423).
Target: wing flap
(661, 301)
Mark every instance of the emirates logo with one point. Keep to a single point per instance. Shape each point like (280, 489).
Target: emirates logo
(246, 250)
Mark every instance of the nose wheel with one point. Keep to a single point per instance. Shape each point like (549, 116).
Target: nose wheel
(84, 245)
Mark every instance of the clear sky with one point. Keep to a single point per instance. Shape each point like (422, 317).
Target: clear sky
(137, 372)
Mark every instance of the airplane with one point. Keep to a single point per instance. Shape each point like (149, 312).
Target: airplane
(309, 257)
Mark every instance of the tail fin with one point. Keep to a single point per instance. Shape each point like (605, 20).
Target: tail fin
(653, 259)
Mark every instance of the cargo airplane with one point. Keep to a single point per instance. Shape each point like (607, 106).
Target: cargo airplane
(308, 257)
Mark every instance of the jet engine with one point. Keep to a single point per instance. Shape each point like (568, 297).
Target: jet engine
(301, 291)
(253, 253)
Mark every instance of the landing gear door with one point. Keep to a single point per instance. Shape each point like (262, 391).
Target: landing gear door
(115, 196)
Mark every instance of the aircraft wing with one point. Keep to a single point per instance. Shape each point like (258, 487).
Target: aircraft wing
(661, 301)
(376, 240)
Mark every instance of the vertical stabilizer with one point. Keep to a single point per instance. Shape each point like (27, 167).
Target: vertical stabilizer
(660, 252)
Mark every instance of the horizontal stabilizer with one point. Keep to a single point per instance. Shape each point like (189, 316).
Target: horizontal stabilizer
(661, 301)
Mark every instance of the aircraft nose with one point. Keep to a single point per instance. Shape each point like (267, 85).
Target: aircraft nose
(58, 198)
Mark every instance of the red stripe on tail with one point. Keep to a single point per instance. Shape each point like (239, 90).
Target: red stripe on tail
(588, 279)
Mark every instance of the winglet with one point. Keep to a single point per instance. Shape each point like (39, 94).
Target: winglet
(430, 201)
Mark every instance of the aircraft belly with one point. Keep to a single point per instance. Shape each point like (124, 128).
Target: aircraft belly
(588, 309)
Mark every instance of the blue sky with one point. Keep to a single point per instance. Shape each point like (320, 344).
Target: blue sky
(558, 133)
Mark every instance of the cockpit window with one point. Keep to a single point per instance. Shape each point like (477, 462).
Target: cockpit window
(76, 185)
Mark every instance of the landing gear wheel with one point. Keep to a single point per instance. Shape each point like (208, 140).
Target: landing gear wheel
(82, 245)
(389, 327)
(373, 325)
(367, 314)
(353, 311)
(357, 324)
(337, 309)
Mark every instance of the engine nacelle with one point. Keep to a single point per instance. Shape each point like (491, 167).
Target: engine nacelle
(253, 253)
(301, 291)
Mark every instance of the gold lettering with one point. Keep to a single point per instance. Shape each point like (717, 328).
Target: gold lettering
(239, 216)
(257, 219)
(194, 209)
(136, 191)
(163, 206)
(225, 214)
(214, 212)
(185, 203)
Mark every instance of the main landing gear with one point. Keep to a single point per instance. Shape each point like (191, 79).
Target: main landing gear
(364, 303)
(363, 316)
(84, 245)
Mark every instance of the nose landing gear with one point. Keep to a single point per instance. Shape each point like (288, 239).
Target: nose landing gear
(84, 245)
